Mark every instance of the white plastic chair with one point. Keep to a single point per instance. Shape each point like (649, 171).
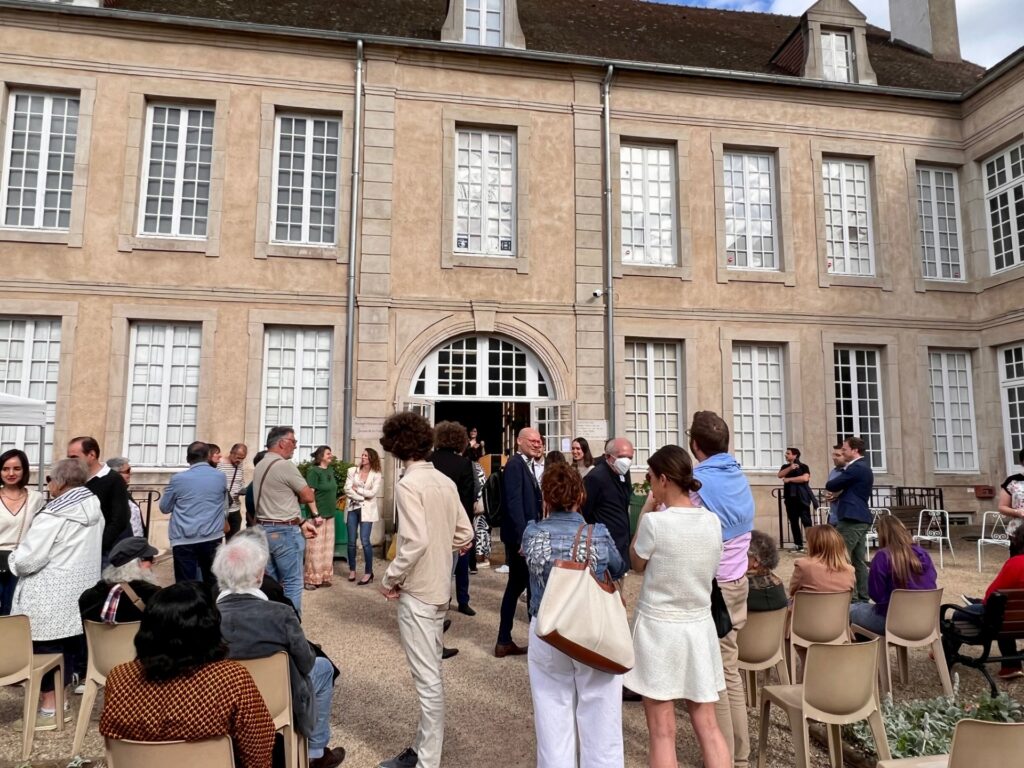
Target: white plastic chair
(872, 534)
(933, 525)
(996, 533)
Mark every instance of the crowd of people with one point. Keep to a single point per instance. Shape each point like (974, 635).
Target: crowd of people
(82, 555)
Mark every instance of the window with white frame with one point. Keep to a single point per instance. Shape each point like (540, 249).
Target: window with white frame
(163, 392)
(938, 212)
(750, 230)
(858, 390)
(848, 234)
(481, 368)
(39, 162)
(647, 181)
(176, 164)
(485, 192)
(654, 396)
(952, 398)
(297, 383)
(1004, 197)
(306, 156)
(29, 367)
(836, 56)
(1011, 379)
(484, 20)
(758, 410)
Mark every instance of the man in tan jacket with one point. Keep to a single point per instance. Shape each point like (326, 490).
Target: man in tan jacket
(431, 525)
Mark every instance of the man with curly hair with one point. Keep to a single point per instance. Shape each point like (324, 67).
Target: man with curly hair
(431, 525)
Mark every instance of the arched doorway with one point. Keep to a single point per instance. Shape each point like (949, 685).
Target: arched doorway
(494, 384)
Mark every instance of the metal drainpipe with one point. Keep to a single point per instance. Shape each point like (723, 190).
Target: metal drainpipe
(609, 295)
(353, 220)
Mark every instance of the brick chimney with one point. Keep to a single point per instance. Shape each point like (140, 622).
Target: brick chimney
(926, 24)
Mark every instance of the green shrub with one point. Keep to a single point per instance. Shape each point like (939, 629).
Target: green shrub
(925, 726)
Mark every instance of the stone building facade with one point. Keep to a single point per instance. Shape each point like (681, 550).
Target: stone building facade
(816, 230)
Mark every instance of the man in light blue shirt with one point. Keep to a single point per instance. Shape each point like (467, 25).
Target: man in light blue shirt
(195, 501)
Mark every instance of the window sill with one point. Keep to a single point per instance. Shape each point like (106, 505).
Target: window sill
(1005, 276)
(739, 274)
(925, 284)
(301, 251)
(54, 236)
(518, 263)
(174, 244)
(856, 281)
(680, 272)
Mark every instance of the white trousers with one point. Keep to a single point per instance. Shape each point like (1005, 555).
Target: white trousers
(569, 700)
(419, 627)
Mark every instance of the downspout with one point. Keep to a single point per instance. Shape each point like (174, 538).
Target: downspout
(609, 294)
(353, 221)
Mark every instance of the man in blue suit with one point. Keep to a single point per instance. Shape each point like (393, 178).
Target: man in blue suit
(853, 483)
(520, 503)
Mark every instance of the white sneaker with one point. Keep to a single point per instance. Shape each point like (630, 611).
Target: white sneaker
(483, 563)
(501, 569)
(79, 685)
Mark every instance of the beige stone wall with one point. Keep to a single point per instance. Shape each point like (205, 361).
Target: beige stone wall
(414, 294)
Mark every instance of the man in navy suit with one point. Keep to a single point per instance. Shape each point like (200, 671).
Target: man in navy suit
(521, 503)
(852, 508)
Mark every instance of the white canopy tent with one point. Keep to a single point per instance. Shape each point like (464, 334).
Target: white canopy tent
(24, 412)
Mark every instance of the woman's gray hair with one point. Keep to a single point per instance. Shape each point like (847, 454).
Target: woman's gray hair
(764, 549)
(239, 564)
(117, 462)
(69, 473)
(130, 571)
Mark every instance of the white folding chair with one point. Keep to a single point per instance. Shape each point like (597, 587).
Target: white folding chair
(872, 534)
(933, 525)
(993, 531)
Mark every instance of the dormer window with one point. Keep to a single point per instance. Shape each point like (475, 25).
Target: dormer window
(837, 56)
(484, 22)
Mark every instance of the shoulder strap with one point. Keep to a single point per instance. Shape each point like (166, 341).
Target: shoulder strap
(136, 600)
(259, 490)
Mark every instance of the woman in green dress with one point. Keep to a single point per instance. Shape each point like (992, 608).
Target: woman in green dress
(320, 550)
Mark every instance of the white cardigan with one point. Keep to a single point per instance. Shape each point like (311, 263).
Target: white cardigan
(366, 493)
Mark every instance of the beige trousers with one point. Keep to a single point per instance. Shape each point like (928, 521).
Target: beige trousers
(731, 709)
(419, 627)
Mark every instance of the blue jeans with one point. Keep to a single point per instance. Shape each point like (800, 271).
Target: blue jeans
(194, 562)
(287, 550)
(864, 614)
(355, 521)
(8, 581)
(322, 678)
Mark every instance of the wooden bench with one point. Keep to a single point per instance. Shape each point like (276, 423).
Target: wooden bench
(1002, 619)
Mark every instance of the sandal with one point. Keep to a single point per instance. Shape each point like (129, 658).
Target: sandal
(366, 580)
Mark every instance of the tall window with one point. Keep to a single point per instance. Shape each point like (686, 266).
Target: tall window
(836, 56)
(758, 414)
(949, 382)
(39, 162)
(176, 171)
(306, 180)
(750, 233)
(648, 204)
(485, 192)
(297, 383)
(938, 211)
(1004, 196)
(29, 365)
(1011, 376)
(859, 400)
(483, 22)
(163, 392)
(846, 185)
(654, 385)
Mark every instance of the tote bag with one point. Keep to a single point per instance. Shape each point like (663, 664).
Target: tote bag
(585, 618)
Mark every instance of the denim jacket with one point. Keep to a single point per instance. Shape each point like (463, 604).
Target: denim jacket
(551, 539)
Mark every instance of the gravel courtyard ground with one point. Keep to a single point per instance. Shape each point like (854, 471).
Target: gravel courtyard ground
(489, 714)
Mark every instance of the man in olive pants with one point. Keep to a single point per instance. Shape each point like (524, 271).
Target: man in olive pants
(725, 491)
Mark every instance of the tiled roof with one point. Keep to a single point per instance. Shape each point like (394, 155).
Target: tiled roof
(631, 30)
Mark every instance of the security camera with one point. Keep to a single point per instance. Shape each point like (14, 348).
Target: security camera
(598, 293)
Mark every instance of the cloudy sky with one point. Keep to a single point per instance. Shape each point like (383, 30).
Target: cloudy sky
(989, 29)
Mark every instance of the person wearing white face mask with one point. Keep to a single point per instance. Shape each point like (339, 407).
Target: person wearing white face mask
(609, 490)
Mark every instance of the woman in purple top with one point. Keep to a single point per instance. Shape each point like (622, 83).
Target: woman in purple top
(898, 564)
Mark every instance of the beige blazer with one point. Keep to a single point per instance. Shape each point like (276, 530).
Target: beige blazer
(365, 493)
(810, 575)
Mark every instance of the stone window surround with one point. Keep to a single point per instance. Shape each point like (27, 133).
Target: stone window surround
(18, 78)
(971, 345)
(274, 103)
(841, 21)
(991, 427)
(727, 141)
(258, 320)
(67, 311)
(143, 92)
(678, 138)
(889, 357)
(517, 122)
(453, 30)
(121, 318)
(977, 247)
(881, 238)
(792, 385)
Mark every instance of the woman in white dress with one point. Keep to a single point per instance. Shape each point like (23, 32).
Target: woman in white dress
(677, 549)
(18, 505)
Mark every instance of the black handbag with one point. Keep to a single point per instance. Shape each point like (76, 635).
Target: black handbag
(5, 567)
(720, 611)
